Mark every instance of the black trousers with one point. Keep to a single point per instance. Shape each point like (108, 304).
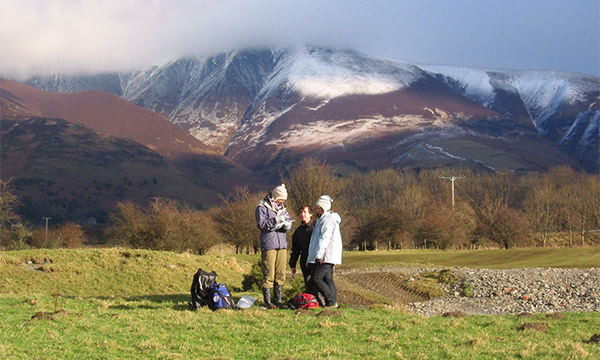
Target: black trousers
(310, 286)
(323, 279)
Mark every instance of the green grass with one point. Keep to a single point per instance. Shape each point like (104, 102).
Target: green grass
(492, 259)
(115, 271)
(132, 304)
(134, 328)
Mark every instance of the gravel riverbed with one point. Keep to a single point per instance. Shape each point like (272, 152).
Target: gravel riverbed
(515, 291)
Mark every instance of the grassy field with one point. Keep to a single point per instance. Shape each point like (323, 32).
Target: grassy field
(491, 259)
(132, 304)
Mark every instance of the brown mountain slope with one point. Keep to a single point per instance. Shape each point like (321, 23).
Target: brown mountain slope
(73, 156)
(68, 172)
(107, 114)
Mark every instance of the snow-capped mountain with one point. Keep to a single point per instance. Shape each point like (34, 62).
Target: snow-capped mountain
(266, 108)
(563, 107)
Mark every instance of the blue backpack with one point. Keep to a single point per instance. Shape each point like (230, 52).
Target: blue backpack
(220, 297)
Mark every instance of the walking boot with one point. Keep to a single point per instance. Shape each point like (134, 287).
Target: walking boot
(278, 289)
(267, 298)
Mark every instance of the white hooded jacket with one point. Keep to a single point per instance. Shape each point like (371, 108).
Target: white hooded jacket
(326, 240)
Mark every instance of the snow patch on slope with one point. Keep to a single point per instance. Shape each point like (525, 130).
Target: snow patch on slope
(591, 132)
(254, 131)
(224, 119)
(476, 83)
(329, 134)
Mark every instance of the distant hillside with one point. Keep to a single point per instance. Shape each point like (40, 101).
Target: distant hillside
(73, 156)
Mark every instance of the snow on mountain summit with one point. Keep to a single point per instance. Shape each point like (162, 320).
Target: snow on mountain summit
(326, 74)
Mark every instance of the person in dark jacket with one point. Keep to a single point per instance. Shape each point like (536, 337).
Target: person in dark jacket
(273, 221)
(300, 241)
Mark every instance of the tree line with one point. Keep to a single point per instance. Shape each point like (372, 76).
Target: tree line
(381, 209)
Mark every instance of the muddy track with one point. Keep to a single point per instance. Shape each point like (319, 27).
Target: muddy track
(358, 289)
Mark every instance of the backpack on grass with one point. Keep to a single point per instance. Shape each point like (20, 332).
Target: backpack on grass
(303, 301)
(200, 290)
(220, 297)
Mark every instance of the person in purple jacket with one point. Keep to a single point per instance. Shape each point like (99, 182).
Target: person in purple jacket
(273, 221)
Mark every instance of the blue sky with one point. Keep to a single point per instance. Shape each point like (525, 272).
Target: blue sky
(73, 36)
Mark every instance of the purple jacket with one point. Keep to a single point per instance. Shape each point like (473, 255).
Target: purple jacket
(266, 222)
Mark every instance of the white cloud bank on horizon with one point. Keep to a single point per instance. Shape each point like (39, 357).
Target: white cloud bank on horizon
(90, 36)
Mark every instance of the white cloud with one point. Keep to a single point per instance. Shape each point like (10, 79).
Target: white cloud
(41, 36)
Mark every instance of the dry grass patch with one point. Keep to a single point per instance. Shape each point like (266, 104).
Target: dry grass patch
(537, 326)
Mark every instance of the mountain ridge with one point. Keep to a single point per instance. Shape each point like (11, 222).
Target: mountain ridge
(235, 102)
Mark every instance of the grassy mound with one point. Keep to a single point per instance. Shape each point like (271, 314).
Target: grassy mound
(110, 272)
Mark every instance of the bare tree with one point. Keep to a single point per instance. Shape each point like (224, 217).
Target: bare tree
(500, 223)
(307, 181)
(236, 219)
(542, 207)
(579, 204)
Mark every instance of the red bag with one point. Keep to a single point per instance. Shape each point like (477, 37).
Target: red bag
(303, 301)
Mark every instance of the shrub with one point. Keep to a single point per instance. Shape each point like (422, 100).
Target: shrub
(443, 228)
(16, 237)
(128, 225)
(294, 286)
(253, 280)
(14, 234)
(71, 235)
(163, 226)
(45, 239)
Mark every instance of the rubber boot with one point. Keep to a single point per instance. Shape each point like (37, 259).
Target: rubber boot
(267, 298)
(278, 289)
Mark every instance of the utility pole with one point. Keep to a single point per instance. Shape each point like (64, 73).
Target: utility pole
(47, 218)
(452, 179)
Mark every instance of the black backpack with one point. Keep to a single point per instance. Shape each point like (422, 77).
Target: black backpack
(201, 288)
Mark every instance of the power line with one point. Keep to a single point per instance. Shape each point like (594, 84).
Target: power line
(452, 179)
(47, 218)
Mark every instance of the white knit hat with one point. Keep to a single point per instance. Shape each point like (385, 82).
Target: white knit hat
(279, 193)
(325, 202)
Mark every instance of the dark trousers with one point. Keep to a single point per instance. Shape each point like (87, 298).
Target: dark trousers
(310, 286)
(323, 279)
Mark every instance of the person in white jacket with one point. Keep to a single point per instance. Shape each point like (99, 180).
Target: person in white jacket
(325, 250)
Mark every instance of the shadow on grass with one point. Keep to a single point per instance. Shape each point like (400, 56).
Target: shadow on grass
(177, 302)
